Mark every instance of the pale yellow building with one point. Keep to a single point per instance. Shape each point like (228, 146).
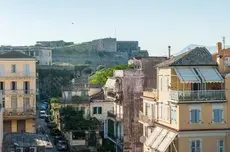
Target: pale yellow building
(188, 112)
(18, 84)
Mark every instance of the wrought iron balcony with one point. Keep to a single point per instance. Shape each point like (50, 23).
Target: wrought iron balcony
(19, 92)
(18, 75)
(146, 119)
(198, 95)
(19, 112)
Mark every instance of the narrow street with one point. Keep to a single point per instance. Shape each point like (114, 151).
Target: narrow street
(42, 124)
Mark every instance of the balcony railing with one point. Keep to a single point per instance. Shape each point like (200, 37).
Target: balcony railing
(12, 112)
(17, 74)
(146, 119)
(198, 95)
(18, 92)
(114, 115)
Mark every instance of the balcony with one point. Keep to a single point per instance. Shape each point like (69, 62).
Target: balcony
(18, 75)
(19, 92)
(151, 93)
(145, 119)
(198, 95)
(115, 116)
(22, 113)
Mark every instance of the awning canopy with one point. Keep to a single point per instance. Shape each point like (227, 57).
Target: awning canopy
(210, 75)
(160, 139)
(153, 136)
(187, 75)
(110, 83)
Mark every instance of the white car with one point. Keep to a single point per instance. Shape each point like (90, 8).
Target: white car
(43, 114)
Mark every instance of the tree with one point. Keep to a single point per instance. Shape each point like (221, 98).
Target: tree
(101, 76)
(54, 100)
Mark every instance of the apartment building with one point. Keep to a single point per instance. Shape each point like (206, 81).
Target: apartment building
(188, 112)
(1, 122)
(121, 127)
(222, 57)
(18, 84)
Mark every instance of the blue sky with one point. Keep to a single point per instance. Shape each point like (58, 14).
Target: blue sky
(155, 24)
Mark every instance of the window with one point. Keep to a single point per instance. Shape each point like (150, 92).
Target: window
(94, 110)
(13, 85)
(13, 68)
(2, 86)
(97, 110)
(195, 116)
(227, 61)
(167, 112)
(147, 109)
(161, 84)
(159, 111)
(217, 115)
(173, 114)
(195, 146)
(220, 146)
(26, 87)
(26, 68)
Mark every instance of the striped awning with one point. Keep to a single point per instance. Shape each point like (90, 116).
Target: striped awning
(187, 75)
(160, 139)
(210, 75)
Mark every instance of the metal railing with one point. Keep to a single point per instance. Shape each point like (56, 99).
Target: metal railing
(20, 111)
(18, 92)
(198, 95)
(146, 119)
(17, 74)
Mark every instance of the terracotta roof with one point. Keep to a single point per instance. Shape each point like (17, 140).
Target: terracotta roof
(198, 56)
(14, 54)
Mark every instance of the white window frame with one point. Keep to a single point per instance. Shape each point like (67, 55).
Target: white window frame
(195, 107)
(195, 140)
(218, 145)
(227, 61)
(159, 110)
(173, 112)
(220, 107)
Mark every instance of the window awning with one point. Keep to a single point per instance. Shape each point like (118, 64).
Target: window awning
(153, 136)
(160, 139)
(187, 75)
(167, 141)
(110, 83)
(210, 75)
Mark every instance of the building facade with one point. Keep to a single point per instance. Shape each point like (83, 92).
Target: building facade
(1, 121)
(121, 127)
(189, 110)
(222, 57)
(18, 84)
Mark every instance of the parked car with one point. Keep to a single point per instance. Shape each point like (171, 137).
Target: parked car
(57, 138)
(62, 145)
(52, 125)
(42, 114)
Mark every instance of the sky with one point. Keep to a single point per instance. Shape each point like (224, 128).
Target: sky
(154, 23)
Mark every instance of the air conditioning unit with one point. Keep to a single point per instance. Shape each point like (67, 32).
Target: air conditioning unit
(19, 149)
(33, 149)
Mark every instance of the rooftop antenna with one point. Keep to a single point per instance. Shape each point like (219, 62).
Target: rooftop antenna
(224, 42)
(169, 51)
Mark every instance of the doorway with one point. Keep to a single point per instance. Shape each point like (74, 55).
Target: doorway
(21, 125)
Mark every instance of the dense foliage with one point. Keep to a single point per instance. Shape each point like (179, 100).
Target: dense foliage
(101, 76)
(75, 120)
(54, 100)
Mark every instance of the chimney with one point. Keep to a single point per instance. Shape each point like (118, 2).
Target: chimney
(219, 47)
(169, 53)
